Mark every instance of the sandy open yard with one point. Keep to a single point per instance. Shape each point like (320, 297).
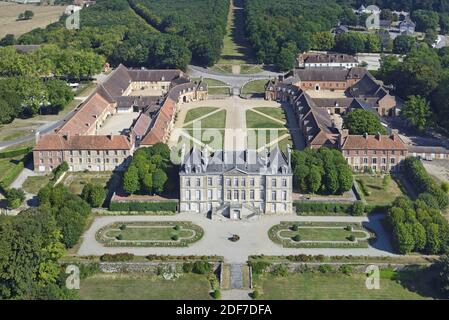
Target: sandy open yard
(439, 169)
(118, 122)
(43, 16)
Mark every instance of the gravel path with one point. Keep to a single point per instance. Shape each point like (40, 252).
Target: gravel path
(253, 237)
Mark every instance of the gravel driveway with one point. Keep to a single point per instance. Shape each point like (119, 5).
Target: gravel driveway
(253, 237)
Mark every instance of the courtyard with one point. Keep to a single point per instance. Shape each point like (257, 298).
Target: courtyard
(117, 123)
(234, 124)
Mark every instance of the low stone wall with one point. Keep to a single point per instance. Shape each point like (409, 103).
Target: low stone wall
(356, 267)
(146, 267)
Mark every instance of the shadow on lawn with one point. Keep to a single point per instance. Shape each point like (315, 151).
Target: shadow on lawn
(421, 280)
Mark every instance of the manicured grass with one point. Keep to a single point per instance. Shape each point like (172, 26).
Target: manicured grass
(222, 68)
(198, 112)
(144, 287)
(211, 141)
(337, 286)
(219, 91)
(250, 69)
(270, 135)
(75, 181)
(318, 234)
(212, 82)
(255, 120)
(149, 233)
(6, 135)
(214, 121)
(313, 235)
(34, 184)
(256, 86)
(378, 195)
(10, 168)
(277, 113)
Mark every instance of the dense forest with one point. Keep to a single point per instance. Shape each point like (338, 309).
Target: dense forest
(422, 80)
(277, 30)
(153, 34)
(201, 23)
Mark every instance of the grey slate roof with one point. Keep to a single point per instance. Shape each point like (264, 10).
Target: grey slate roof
(245, 161)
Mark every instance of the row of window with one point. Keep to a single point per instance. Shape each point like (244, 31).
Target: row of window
(373, 160)
(79, 152)
(236, 182)
(195, 207)
(365, 152)
(234, 195)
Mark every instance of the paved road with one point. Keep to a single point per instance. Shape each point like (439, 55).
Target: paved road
(253, 237)
(49, 126)
(236, 81)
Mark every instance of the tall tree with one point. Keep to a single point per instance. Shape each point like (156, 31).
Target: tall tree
(362, 121)
(417, 110)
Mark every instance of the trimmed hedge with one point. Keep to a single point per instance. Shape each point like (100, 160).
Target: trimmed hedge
(334, 208)
(417, 175)
(144, 206)
(302, 206)
(15, 153)
(118, 257)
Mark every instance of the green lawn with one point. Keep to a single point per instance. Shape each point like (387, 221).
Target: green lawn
(144, 287)
(75, 181)
(378, 195)
(214, 121)
(211, 141)
(198, 112)
(256, 86)
(6, 135)
(337, 286)
(149, 233)
(212, 82)
(255, 120)
(10, 168)
(277, 113)
(222, 68)
(283, 234)
(250, 69)
(318, 234)
(219, 91)
(267, 137)
(34, 184)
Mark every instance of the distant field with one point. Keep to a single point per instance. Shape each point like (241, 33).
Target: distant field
(43, 16)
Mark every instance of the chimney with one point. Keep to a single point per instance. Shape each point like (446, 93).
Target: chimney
(66, 136)
(289, 155)
(394, 133)
(110, 136)
(365, 135)
(38, 136)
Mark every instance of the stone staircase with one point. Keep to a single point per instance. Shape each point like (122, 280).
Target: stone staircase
(235, 276)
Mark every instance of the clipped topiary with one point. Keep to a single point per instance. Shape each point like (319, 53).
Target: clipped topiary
(297, 238)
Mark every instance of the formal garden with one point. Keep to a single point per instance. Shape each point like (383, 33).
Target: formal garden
(150, 234)
(319, 235)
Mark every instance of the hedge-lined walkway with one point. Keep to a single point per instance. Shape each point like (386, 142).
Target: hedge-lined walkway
(253, 237)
